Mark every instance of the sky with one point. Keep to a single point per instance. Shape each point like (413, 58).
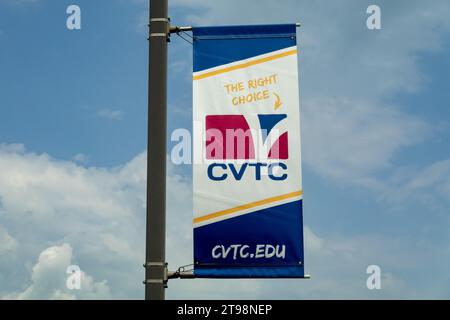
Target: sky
(376, 153)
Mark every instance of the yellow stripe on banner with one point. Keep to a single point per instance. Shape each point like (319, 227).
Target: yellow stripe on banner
(248, 206)
(245, 64)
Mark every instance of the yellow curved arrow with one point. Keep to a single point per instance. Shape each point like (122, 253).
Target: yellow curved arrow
(278, 102)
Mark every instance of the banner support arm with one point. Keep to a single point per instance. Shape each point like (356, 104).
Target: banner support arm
(189, 274)
(177, 29)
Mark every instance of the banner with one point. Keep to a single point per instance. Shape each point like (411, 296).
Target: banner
(247, 161)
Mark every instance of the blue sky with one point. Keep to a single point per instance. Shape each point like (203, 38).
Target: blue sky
(375, 128)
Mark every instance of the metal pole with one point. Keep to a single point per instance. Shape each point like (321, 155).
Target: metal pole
(155, 266)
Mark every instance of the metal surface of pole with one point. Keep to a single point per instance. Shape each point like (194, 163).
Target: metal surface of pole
(155, 266)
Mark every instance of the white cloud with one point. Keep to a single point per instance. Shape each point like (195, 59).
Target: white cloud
(99, 212)
(7, 243)
(110, 114)
(351, 141)
(429, 186)
(81, 158)
(49, 279)
(436, 175)
(313, 242)
(115, 244)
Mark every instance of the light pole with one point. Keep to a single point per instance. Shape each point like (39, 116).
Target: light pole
(155, 263)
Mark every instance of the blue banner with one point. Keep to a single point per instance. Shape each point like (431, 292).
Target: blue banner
(247, 155)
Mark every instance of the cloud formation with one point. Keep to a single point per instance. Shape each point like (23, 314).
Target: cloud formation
(92, 217)
(98, 212)
(48, 279)
(56, 213)
(351, 141)
(109, 114)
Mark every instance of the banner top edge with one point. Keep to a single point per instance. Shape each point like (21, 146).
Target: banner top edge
(277, 30)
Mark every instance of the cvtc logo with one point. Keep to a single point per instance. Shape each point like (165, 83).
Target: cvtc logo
(230, 137)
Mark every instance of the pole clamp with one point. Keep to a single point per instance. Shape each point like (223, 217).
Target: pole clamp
(159, 20)
(155, 264)
(166, 33)
(165, 275)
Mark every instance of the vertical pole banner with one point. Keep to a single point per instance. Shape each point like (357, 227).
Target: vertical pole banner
(247, 158)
